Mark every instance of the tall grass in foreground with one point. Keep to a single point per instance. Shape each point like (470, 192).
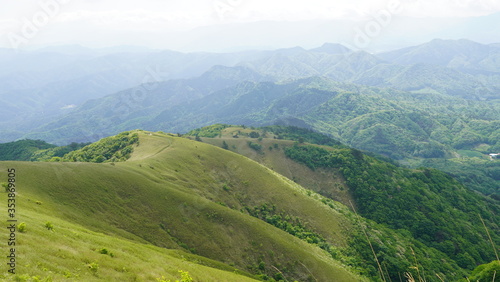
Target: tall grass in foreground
(382, 276)
(492, 245)
(491, 240)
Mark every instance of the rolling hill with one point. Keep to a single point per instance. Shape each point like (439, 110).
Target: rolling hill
(207, 210)
(177, 204)
(169, 194)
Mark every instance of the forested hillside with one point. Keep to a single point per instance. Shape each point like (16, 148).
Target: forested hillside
(22, 150)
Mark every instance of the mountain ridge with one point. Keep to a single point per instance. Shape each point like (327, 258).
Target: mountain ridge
(44, 101)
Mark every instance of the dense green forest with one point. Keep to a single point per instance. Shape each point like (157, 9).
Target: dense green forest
(485, 272)
(396, 252)
(403, 124)
(479, 174)
(22, 150)
(109, 149)
(420, 201)
(56, 152)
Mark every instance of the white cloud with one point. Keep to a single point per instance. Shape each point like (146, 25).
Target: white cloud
(8, 24)
(450, 8)
(205, 12)
(246, 10)
(113, 22)
(132, 19)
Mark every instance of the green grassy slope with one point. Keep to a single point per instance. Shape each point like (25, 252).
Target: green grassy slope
(67, 252)
(178, 194)
(434, 208)
(327, 182)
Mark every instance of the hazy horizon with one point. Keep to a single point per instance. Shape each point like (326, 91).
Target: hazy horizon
(236, 25)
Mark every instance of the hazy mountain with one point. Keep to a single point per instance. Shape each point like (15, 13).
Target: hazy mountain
(134, 107)
(44, 103)
(428, 78)
(50, 82)
(460, 54)
(476, 28)
(394, 123)
(299, 63)
(460, 68)
(331, 48)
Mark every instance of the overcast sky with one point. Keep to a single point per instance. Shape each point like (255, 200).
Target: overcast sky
(100, 23)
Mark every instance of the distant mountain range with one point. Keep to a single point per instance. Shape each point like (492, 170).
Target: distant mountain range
(356, 97)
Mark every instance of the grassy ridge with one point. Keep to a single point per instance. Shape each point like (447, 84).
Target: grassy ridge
(172, 195)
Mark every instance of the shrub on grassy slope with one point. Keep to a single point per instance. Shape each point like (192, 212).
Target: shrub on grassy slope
(485, 272)
(55, 154)
(111, 149)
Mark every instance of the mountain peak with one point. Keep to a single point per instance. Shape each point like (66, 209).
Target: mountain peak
(331, 48)
(451, 42)
(290, 51)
